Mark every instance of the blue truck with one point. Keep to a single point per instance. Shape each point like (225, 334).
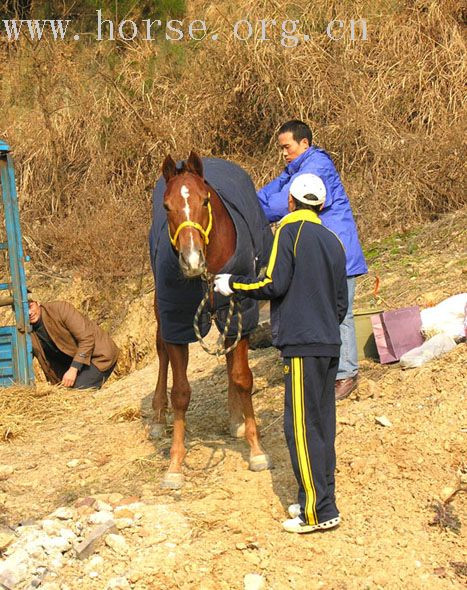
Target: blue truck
(15, 343)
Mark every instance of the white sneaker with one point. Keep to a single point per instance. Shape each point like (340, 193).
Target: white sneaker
(296, 525)
(294, 510)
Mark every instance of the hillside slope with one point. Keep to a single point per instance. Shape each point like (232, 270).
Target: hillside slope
(391, 482)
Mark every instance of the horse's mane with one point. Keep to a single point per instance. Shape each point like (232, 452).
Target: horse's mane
(183, 168)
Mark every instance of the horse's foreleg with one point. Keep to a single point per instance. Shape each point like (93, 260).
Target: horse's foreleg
(180, 397)
(240, 385)
(159, 400)
(235, 404)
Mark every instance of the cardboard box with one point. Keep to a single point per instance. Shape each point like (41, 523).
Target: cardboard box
(366, 345)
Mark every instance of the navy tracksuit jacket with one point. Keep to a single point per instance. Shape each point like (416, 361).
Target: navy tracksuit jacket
(307, 283)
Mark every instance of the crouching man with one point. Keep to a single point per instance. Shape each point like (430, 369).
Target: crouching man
(71, 349)
(306, 281)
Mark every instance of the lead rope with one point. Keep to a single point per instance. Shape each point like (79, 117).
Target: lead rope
(220, 349)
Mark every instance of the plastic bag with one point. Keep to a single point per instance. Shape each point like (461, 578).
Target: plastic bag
(430, 349)
(446, 318)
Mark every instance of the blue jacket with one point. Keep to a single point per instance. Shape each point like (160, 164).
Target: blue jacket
(306, 282)
(337, 213)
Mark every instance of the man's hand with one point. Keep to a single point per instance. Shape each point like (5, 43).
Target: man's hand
(221, 285)
(69, 377)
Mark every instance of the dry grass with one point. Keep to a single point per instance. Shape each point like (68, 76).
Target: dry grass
(22, 408)
(127, 414)
(91, 123)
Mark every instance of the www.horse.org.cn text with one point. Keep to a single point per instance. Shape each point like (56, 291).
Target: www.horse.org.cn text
(286, 31)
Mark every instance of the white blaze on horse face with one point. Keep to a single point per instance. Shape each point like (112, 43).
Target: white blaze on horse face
(185, 193)
(193, 258)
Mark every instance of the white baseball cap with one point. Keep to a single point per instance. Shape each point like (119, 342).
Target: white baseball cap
(306, 186)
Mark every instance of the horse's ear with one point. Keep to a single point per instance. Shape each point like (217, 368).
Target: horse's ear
(194, 164)
(169, 168)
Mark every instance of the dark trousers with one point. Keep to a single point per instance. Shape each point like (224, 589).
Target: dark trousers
(90, 377)
(310, 431)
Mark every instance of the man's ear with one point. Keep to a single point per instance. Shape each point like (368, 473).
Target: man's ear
(305, 142)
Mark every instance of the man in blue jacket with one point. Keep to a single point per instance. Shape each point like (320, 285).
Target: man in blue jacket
(306, 282)
(295, 140)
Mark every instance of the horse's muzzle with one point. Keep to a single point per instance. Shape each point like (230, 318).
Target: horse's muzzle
(193, 264)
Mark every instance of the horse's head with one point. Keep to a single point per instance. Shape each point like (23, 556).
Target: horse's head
(189, 215)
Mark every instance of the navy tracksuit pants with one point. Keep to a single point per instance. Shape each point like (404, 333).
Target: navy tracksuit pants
(310, 431)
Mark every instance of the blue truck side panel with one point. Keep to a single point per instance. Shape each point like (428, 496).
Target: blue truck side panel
(15, 342)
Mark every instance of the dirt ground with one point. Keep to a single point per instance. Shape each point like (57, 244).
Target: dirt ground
(397, 530)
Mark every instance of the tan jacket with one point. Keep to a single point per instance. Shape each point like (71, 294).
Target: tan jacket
(75, 335)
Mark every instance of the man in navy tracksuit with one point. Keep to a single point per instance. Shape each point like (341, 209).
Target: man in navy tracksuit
(306, 282)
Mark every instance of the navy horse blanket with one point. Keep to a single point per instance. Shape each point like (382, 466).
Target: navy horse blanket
(178, 298)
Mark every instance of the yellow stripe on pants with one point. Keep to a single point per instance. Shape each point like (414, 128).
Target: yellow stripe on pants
(298, 408)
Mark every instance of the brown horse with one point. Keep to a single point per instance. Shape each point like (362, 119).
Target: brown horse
(204, 236)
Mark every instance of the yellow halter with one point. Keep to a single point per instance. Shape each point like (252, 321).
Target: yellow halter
(204, 232)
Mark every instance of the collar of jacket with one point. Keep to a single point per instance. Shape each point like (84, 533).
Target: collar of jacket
(301, 215)
(294, 165)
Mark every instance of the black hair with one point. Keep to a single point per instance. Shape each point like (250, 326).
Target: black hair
(298, 129)
(301, 205)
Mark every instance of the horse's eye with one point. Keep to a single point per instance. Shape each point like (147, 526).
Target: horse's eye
(166, 207)
(206, 202)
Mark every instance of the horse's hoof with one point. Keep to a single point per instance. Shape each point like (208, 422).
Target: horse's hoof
(173, 481)
(237, 430)
(157, 431)
(260, 463)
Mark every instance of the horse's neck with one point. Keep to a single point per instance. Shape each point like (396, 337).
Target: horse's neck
(223, 237)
